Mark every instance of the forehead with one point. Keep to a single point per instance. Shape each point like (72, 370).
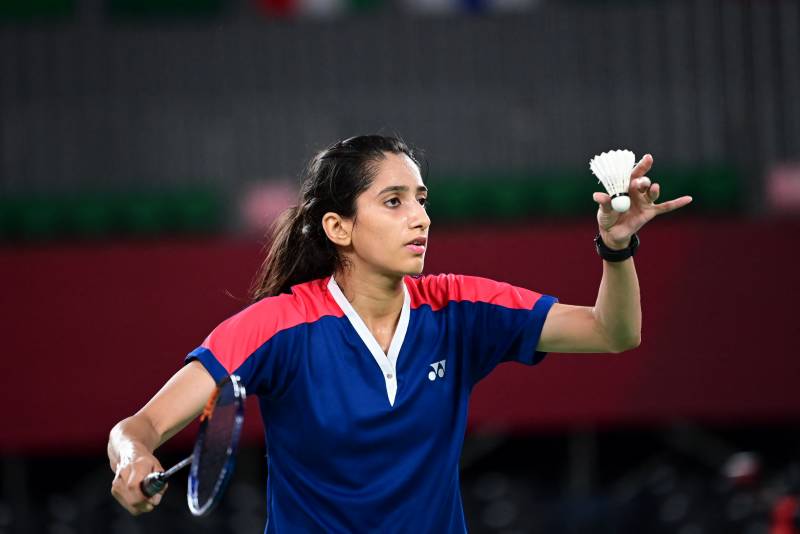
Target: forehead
(396, 169)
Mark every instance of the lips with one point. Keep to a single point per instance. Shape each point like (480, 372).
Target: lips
(417, 246)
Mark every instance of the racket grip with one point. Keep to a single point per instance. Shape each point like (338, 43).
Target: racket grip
(152, 484)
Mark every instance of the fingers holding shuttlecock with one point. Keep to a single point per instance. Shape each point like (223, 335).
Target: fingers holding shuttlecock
(604, 201)
(654, 192)
(643, 167)
(613, 169)
(640, 189)
(641, 184)
(643, 191)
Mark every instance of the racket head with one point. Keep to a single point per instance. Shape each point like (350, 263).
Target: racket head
(214, 454)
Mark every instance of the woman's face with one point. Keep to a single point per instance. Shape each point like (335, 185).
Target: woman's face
(390, 217)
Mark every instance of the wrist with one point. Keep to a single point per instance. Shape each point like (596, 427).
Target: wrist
(617, 245)
(610, 252)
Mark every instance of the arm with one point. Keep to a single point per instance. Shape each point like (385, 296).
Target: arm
(132, 441)
(614, 323)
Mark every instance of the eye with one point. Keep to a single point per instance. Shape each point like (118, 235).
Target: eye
(423, 201)
(393, 202)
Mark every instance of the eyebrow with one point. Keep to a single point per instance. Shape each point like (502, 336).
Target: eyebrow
(401, 189)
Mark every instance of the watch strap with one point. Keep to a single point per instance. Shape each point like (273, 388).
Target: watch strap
(612, 255)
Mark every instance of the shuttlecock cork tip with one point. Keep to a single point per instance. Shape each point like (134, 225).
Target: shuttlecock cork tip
(621, 203)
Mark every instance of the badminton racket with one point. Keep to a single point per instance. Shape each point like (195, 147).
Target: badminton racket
(214, 453)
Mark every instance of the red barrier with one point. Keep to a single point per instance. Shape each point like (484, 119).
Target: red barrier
(90, 332)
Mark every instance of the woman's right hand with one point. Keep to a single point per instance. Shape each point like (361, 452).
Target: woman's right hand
(128, 476)
(132, 441)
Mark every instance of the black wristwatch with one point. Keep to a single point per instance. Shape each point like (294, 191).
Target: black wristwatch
(616, 255)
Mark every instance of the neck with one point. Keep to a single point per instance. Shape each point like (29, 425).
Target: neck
(375, 297)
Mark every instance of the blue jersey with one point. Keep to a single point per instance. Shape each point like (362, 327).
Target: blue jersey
(360, 440)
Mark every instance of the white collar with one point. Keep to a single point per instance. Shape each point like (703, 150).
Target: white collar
(386, 361)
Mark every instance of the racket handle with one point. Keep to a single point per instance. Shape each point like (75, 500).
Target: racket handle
(152, 484)
(155, 482)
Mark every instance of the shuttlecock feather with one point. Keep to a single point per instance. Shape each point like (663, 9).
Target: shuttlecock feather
(613, 169)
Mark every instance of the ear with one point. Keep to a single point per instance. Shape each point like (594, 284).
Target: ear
(338, 229)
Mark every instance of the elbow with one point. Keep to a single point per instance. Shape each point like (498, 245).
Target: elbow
(635, 343)
(626, 344)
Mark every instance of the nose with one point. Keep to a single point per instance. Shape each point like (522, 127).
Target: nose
(419, 218)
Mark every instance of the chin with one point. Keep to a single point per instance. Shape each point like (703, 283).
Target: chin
(413, 271)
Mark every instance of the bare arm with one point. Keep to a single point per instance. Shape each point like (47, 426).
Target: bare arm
(132, 441)
(614, 324)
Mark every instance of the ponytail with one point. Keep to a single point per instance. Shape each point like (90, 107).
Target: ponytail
(297, 254)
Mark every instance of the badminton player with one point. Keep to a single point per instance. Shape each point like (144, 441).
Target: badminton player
(363, 367)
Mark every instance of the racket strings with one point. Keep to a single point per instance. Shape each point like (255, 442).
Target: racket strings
(215, 451)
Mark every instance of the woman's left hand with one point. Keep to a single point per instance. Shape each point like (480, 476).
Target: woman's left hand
(617, 228)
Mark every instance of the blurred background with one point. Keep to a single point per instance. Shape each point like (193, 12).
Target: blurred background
(145, 146)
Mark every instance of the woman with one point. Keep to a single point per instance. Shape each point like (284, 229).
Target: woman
(363, 372)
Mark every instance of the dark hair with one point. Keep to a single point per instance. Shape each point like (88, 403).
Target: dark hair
(299, 250)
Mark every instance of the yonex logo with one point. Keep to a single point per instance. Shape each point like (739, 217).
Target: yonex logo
(438, 370)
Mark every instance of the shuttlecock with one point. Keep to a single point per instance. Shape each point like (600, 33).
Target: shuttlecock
(613, 169)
